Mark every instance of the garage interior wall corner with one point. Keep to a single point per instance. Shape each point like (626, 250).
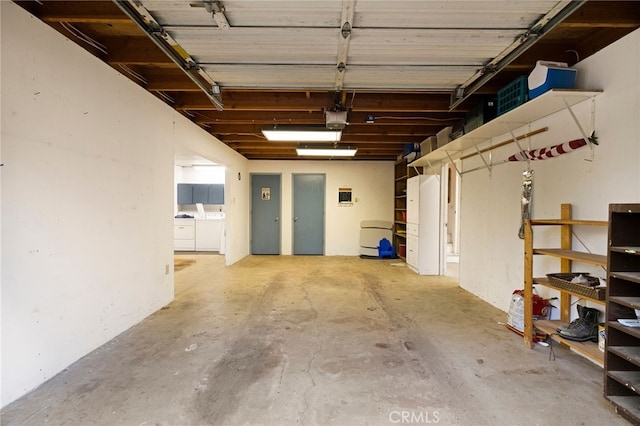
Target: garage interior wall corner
(87, 202)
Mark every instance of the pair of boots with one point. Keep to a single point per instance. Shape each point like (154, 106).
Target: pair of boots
(584, 328)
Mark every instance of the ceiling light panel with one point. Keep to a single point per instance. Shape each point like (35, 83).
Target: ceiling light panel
(301, 135)
(326, 152)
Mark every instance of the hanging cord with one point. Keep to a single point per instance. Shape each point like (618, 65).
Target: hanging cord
(552, 354)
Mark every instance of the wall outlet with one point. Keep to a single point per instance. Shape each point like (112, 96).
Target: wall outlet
(166, 269)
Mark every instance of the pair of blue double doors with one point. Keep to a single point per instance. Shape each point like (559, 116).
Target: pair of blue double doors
(308, 197)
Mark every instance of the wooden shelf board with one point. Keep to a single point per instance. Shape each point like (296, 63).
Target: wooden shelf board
(632, 331)
(626, 249)
(629, 353)
(569, 222)
(588, 349)
(595, 259)
(631, 302)
(540, 107)
(399, 235)
(545, 282)
(630, 379)
(627, 406)
(629, 276)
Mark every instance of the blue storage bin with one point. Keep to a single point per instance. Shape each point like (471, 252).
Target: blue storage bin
(550, 75)
(512, 95)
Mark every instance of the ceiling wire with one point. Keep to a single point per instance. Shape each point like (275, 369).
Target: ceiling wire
(134, 74)
(166, 97)
(353, 96)
(83, 37)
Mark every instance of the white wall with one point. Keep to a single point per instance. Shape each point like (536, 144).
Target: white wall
(491, 260)
(372, 184)
(200, 174)
(87, 201)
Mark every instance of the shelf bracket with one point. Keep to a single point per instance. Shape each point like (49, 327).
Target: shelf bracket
(517, 143)
(487, 165)
(575, 120)
(429, 165)
(455, 166)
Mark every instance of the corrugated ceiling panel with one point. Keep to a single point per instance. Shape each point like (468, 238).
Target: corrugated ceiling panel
(449, 14)
(427, 47)
(368, 13)
(393, 44)
(272, 76)
(405, 78)
(243, 13)
(259, 46)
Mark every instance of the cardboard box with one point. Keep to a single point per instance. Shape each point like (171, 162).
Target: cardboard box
(444, 136)
(428, 145)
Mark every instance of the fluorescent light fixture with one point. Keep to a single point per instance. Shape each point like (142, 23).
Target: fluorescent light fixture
(326, 152)
(301, 134)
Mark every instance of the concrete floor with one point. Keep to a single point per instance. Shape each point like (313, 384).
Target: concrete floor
(318, 341)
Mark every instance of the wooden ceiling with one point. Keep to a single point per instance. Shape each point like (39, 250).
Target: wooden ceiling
(401, 114)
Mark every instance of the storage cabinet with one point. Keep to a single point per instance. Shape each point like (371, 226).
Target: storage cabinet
(197, 234)
(566, 255)
(215, 193)
(622, 350)
(193, 193)
(185, 193)
(184, 234)
(200, 193)
(423, 224)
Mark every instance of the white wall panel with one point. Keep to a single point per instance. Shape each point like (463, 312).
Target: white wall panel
(491, 254)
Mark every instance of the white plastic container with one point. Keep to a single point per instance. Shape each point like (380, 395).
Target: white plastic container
(549, 75)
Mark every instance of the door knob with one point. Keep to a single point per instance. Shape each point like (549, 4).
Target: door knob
(295, 219)
(277, 218)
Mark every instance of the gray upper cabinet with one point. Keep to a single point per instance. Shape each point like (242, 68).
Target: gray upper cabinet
(185, 193)
(216, 193)
(200, 193)
(192, 193)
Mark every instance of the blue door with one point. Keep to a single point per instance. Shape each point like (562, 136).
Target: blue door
(308, 214)
(265, 214)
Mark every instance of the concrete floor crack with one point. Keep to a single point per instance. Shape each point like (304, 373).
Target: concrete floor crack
(305, 396)
(313, 358)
